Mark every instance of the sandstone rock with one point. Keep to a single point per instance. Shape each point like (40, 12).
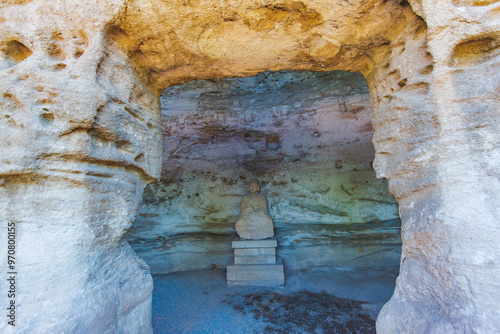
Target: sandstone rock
(243, 38)
(427, 111)
(80, 139)
(341, 209)
(79, 95)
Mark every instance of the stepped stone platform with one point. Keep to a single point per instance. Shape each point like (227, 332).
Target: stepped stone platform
(255, 263)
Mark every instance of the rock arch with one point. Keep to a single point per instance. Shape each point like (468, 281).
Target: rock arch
(81, 137)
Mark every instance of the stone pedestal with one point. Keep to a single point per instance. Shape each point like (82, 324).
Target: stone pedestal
(255, 263)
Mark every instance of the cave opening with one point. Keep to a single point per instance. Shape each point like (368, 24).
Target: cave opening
(307, 137)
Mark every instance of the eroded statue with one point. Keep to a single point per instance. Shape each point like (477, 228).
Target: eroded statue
(254, 221)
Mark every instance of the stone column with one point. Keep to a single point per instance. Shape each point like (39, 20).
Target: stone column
(436, 121)
(81, 137)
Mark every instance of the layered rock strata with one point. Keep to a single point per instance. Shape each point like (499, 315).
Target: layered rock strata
(440, 152)
(322, 193)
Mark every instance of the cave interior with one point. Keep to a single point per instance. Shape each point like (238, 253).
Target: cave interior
(306, 136)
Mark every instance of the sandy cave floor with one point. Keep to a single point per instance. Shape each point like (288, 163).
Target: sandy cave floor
(320, 301)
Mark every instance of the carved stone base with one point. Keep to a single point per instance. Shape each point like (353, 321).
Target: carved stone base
(255, 264)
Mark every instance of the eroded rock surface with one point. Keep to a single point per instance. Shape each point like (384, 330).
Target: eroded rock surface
(328, 207)
(80, 139)
(79, 88)
(180, 41)
(435, 101)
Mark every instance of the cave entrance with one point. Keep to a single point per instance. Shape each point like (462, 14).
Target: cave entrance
(307, 137)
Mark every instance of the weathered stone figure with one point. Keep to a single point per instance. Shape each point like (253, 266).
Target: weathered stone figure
(254, 221)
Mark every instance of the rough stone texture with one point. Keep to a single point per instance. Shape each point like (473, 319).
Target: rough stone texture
(74, 270)
(178, 41)
(78, 84)
(255, 263)
(436, 136)
(328, 207)
(80, 139)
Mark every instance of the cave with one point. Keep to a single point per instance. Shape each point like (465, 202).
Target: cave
(307, 137)
(83, 135)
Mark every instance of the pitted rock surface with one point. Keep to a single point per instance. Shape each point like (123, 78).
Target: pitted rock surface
(80, 122)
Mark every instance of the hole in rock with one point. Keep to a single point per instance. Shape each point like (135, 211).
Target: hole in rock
(78, 53)
(47, 116)
(475, 51)
(60, 66)
(13, 52)
(139, 158)
(307, 137)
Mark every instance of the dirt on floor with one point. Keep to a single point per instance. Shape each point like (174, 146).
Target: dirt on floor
(304, 312)
(325, 301)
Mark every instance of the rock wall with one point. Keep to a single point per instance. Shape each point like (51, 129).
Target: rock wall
(306, 136)
(436, 136)
(80, 139)
(79, 88)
